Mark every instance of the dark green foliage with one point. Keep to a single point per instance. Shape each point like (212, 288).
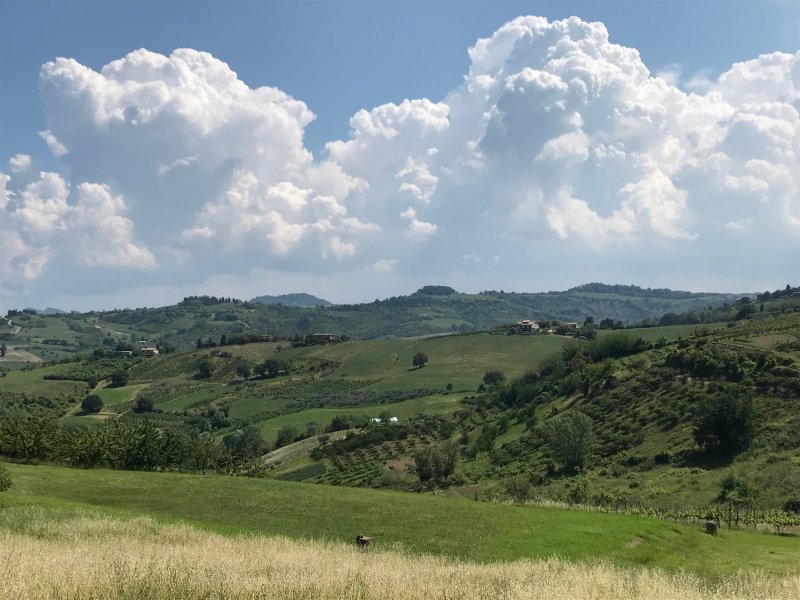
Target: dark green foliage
(5, 479)
(570, 437)
(286, 435)
(205, 368)
(119, 378)
(144, 404)
(436, 290)
(519, 488)
(725, 423)
(343, 422)
(493, 377)
(244, 370)
(737, 489)
(419, 360)
(792, 505)
(578, 491)
(92, 404)
(436, 462)
(245, 444)
(272, 367)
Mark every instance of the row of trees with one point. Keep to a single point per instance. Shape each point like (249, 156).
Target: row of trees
(137, 444)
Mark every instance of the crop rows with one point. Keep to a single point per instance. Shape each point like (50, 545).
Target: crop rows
(360, 467)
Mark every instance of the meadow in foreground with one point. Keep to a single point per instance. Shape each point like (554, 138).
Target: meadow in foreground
(54, 554)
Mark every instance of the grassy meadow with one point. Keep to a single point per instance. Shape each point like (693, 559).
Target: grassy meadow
(49, 553)
(415, 523)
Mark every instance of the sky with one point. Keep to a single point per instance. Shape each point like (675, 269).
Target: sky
(361, 149)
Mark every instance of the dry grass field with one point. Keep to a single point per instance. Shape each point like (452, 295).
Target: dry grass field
(75, 553)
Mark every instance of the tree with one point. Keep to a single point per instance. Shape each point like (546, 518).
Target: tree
(245, 444)
(92, 404)
(286, 435)
(570, 437)
(3, 349)
(223, 341)
(205, 369)
(726, 424)
(420, 360)
(272, 367)
(492, 377)
(243, 370)
(313, 428)
(143, 404)
(5, 479)
(423, 464)
(119, 378)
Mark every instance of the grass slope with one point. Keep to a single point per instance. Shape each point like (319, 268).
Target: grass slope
(63, 553)
(417, 523)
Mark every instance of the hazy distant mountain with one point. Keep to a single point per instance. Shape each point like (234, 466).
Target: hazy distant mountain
(301, 300)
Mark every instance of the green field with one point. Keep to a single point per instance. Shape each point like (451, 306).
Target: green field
(418, 523)
(111, 396)
(429, 405)
(461, 360)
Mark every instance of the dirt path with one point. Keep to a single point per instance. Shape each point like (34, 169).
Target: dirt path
(14, 355)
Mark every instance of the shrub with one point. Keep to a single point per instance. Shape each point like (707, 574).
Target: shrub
(92, 404)
(5, 479)
(143, 404)
(492, 377)
(119, 378)
(726, 424)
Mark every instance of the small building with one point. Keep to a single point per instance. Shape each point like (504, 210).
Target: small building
(527, 326)
(124, 353)
(574, 326)
(392, 420)
(376, 421)
(150, 351)
(322, 337)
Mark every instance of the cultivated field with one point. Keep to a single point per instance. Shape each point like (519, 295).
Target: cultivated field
(54, 554)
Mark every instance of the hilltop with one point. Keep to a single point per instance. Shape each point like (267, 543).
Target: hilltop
(300, 300)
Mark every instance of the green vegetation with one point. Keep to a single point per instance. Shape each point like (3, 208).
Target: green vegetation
(203, 321)
(418, 523)
(682, 421)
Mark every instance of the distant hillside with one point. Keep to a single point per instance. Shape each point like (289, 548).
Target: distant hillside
(300, 300)
(431, 310)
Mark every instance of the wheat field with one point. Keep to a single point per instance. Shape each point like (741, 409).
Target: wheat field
(81, 555)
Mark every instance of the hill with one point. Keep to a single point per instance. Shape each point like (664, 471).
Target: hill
(432, 310)
(301, 300)
(419, 524)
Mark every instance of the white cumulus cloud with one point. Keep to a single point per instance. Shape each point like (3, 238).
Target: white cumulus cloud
(559, 148)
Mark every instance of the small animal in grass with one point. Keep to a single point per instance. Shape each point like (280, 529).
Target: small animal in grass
(363, 542)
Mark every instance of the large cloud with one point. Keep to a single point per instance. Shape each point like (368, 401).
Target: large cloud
(559, 149)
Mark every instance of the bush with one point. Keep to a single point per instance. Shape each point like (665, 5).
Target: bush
(143, 404)
(5, 479)
(92, 404)
(492, 377)
(119, 378)
(726, 424)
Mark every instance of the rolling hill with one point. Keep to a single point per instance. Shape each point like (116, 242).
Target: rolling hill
(431, 310)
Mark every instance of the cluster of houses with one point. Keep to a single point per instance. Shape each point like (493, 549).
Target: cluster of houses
(529, 327)
(379, 421)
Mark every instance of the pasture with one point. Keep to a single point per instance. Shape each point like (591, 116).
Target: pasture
(420, 524)
(50, 553)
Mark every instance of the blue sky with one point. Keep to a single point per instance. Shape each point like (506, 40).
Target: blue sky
(339, 58)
